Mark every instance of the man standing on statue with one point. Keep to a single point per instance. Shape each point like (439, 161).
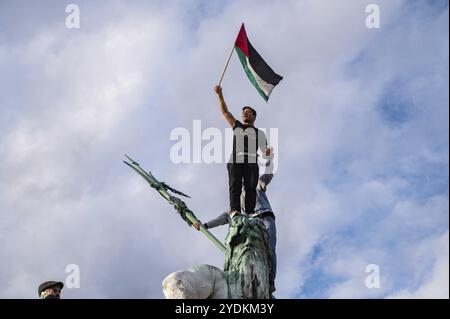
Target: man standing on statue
(243, 163)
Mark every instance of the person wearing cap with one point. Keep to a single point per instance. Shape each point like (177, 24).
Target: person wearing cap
(50, 290)
(243, 164)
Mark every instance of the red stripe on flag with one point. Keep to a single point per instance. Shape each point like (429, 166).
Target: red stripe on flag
(241, 40)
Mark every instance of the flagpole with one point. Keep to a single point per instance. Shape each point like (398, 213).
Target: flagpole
(226, 65)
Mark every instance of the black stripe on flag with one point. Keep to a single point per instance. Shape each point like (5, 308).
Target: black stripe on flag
(260, 66)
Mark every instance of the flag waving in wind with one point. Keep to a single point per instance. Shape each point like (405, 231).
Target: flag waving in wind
(258, 71)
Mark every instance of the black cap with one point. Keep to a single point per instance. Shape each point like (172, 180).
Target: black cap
(250, 108)
(49, 284)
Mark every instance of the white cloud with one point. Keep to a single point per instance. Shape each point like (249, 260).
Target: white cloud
(436, 282)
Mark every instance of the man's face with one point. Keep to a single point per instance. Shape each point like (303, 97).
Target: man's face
(248, 116)
(55, 291)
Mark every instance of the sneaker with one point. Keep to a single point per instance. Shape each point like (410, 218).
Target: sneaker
(234, 213)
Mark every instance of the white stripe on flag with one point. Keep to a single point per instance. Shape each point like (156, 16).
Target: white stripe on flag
(263, 85)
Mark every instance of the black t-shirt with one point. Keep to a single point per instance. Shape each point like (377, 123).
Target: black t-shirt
(246, 141)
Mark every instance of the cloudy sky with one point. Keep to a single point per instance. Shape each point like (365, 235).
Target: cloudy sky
(363, 146)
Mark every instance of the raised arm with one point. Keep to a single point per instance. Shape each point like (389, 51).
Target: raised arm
(266, 178)
(223, 107)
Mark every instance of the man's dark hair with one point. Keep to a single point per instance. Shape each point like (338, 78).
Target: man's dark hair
(250, 108)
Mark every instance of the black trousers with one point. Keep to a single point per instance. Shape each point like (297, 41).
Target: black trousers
(250, 173)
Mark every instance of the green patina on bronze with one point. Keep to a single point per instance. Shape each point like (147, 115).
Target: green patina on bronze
(163, 189)
(247, 259)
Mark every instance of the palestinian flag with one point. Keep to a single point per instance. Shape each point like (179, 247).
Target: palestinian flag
(258, 71)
